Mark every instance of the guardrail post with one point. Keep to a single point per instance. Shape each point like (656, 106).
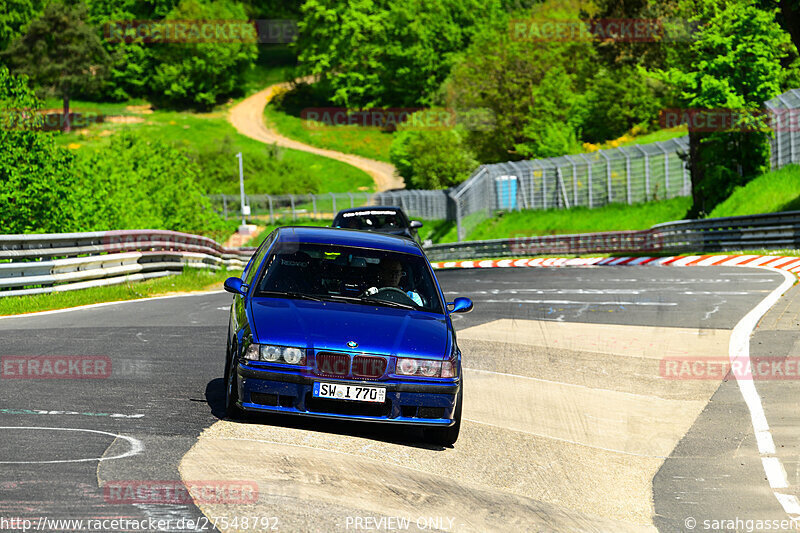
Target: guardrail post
(224, 207)
(314, 204)
(294, 214)
(333, 196)
(351, 199)
(271, 212)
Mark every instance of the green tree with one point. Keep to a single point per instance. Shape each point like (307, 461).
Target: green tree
(61, 52)
(534, 87)
(435, 158)
(202, 74)
(136, 183)
(386, 53)
(15, 15)
(36, 185)
(736, 65)
(619, 99)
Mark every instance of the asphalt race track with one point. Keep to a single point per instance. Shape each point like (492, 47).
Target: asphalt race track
(570, 424)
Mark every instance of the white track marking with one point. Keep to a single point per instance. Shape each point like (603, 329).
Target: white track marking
(789, 502)
(135, 444)
(739, 354)
(776, 475)
(104, 304)
(572, 302)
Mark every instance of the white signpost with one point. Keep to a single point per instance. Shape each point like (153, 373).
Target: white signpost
(244, 229)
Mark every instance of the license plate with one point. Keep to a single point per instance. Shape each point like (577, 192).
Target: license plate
(359, 393)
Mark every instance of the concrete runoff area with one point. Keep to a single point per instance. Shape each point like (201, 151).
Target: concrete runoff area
(592, 450)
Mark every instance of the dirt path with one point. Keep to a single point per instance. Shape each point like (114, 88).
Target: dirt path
(248, 118)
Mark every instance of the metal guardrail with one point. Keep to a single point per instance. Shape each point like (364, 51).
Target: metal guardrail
(750, 232)
(40, 263)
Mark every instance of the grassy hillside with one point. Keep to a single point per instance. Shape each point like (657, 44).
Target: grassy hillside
(370, 142)
(774, 191)
(206, 133)
(612, 217)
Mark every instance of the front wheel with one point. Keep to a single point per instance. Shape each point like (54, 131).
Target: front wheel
(449, 435)
(232, 409)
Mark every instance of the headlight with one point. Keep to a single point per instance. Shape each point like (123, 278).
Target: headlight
(275, 354)
(270, 353)
(292, 355)
(419, 367)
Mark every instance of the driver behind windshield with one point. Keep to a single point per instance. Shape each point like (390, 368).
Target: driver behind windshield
(390, 274)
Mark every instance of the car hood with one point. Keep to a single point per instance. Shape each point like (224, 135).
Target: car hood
(331, 325)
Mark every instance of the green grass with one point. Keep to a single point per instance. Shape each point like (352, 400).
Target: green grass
(438, 231)
(204, 132)
(190, 280)
(613, 217)
(769, 193)
(366, 141)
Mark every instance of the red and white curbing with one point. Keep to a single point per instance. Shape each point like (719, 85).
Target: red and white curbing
(789, 263)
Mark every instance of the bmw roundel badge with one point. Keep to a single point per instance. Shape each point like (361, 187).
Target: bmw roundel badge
(352, 344)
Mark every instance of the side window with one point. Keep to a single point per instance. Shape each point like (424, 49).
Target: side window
(258, 257)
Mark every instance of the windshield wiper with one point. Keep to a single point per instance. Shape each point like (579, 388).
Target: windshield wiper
(388, 303)
(293, 295)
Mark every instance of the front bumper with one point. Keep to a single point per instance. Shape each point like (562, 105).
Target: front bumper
(406, 402)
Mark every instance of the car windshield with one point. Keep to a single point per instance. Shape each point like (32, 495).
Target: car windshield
(371, 220)
(359, 275)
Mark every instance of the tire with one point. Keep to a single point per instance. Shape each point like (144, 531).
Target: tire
(449, 435)
(232, 409)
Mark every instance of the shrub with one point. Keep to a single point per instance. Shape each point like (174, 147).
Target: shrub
(430, 158)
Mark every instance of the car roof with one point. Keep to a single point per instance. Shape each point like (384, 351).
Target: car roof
(347, 237)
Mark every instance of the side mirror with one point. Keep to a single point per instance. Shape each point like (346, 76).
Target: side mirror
(461, 305)
(235, 286)
(415, 224)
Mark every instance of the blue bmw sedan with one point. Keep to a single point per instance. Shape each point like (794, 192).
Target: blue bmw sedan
(345, 324)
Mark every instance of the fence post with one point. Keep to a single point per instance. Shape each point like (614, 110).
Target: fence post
(294, 215)
(574, 181)
(314, 204)
(609, 194)
(791, 131)
(561, 188)
(627, 173)
(351, 199)
(646, 173)
(459, 225)
(666, 169)
(588, 176)
(271, 213)
(333, 196)
(544, 187)
(225, 207)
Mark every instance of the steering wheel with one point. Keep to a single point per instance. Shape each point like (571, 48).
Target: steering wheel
(391, 294)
